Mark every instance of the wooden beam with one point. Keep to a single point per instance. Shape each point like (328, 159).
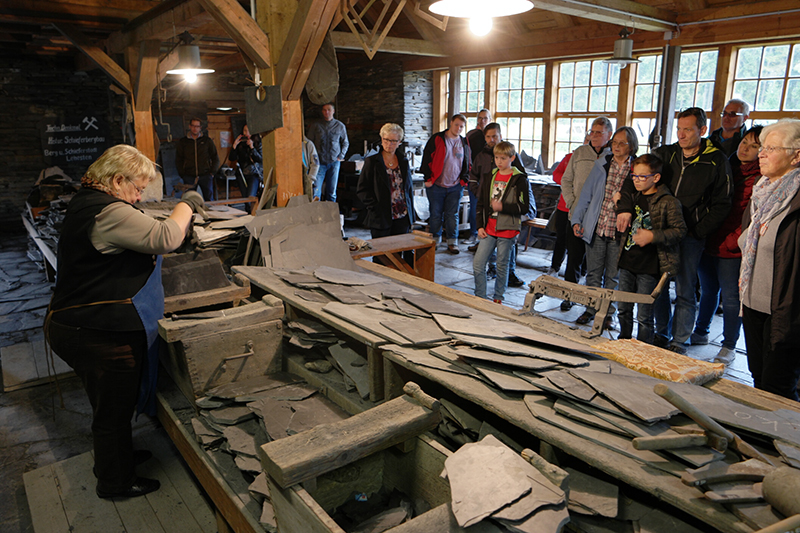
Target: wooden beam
(242, 29)
(771, 8)
(145, 133)
(182, 17)
(309, 27)
(146, 77)
(550, 106)
(723, 86)
(423, 22)
(621, 12)
(97, 55)
(347, 41)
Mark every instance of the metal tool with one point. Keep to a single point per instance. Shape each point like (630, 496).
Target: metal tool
(594, 297)
(707, 423)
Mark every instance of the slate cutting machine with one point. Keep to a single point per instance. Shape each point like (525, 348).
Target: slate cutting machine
(594, 297)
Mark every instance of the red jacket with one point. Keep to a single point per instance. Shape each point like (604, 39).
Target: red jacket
(558, 173)
(723, 242)
(433, 159)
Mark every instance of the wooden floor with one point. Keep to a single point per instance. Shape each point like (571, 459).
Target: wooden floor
(62, 497)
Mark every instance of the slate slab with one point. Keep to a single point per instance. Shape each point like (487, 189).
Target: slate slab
(364, 318)
(517, 348)
(431, 304)
(346, 277)
(230, 416)
(253, 385)
(789, 452)
(353, 365)
(346, 294)
(423, 357)
(571, 385)
(515, 361)
(503, 379)
(417, 330)
(313, 296)
(590, 495)
(240, 441)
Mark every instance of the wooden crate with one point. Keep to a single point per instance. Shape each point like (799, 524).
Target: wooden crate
(205, 353)
(304, 508)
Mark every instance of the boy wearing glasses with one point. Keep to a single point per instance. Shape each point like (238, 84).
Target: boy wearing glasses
(651, 247)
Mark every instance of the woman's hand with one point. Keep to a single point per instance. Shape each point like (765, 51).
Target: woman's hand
(616, 198)
(623, 222)
(482, 233)
(577, 229)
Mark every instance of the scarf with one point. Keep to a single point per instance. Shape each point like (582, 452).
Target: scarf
(90, 183)
(768, 200)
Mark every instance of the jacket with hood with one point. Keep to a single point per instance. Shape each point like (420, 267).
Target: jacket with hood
(516, 201)
(586, 211)
(432, 163)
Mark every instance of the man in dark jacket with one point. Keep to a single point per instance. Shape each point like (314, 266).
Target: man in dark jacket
(197, 160)
(445, 167)
(698, 173)
(733, 130)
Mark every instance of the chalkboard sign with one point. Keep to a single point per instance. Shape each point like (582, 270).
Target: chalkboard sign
(74, 141)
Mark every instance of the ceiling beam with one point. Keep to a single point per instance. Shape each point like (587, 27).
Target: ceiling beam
(242, 28)
(621, 12)
(184, 16)
(347, 41)
(146, 77)
(740, 11)
(310, 25)
(97, 55)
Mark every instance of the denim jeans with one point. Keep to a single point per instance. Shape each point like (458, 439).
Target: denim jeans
(473, 210)
(512, 260)
(485, 249)
(719, 274)
(328, 175)
(205, 183)
(444, 202)
(602, 256)
(641, 284)
(679, 327)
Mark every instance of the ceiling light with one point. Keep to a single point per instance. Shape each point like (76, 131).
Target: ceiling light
(623, 50)
(224, 109)
(189, 60)
(480, 12)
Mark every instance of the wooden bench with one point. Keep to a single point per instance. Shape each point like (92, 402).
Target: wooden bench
(538, 223)
(389, 251)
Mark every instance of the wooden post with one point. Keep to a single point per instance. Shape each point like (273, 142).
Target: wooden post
(454, 100)
(667, 92)
(723, 86)
(550, 107)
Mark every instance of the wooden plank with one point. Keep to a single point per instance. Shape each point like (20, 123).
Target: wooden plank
(146, 78)
(238, 290)
(622, 12)
(238, 317)
(44, 500)
(297, 512)
(238, 24)
(84, 510)
(167, 502)
(398, 45)
(96, 54)
(301, 457)
(19, 366)
(138, 515)
(217, 488)
(48, 253)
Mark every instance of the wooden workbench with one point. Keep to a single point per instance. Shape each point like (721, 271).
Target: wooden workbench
(512, 408)
(390, 251)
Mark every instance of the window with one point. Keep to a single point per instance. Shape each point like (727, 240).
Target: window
(645, 96)
(471, 95)
(520, 106)
(768, 78)
(586, 90)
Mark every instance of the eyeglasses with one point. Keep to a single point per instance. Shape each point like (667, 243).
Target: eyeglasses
(771, 149)
(140, 190)
(730, 115)
(618, 143)
(391, 141)
(597, 132)
(642, 177)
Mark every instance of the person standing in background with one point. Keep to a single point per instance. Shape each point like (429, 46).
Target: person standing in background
(476, 140)
(197, 160)
(733, 130)
(246, 153)
(330, 139)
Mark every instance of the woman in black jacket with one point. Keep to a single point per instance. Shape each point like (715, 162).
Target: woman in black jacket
(385, 187)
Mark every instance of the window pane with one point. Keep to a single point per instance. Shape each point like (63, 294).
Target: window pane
(526, 146)
(613, 74)
(705, 95)
(643, 98)
(464, 82)
(530, 77)
(794, 68)
(514, 100)
(792, 96)
(502, 78)
(502, 101)
(774, 63)
(748, 61)
(529, 101)
(597, 101)
(562, 129)
(566, 75)
(516, 78)
(526, 129)
(578, 130)
(482, 80)
(513, 128)
(688, 68)
(540, 76)
(582, 71)
(685, 96)
(474, 80)
(599, 73)
(537, 128)
(562, 149)
(471, 124)
(708, 65)
(580, 99)
(643, 127)
(503, 123)
(611, 98)
(540, 100)
(745, 90)
(646, 70)
(537, 148)
(472, 102)
(565, 99)
(480, 101)
(769, 95)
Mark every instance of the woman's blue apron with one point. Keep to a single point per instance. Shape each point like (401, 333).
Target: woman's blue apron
(149, 304)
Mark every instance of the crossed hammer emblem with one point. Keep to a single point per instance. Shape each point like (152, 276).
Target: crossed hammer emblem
(90, 123)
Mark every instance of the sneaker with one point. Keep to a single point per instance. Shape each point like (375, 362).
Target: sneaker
(585, 318)
(471, 240)
(514, 281)
(452, 249)
(566, 305)
(498, 301)
(699, 340)
(726, 356)
(473, 248)
(551, 272)
(491, 272)
(677, 348)
(608, 323)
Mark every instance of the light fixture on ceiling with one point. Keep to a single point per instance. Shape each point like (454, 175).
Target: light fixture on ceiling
(480, 12)
(623, 50)
(188, 59)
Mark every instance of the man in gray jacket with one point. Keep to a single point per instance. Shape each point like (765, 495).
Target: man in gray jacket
(330, 138)
(578, 168)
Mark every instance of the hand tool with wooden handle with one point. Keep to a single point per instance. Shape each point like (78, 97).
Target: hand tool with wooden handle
(669, 442)
(706, 422)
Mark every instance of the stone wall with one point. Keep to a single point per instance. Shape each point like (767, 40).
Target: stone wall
(418, 87)
(32, 89)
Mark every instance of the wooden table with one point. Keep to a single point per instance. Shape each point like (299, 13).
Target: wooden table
(389, 251)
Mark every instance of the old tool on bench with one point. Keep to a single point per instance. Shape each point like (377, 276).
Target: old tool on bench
(674, 442)
(594, 297)
(707, 423)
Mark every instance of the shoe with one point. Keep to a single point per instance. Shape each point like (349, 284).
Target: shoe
(699, 340)
(514, 281)
(566, 305)
(139, 457)
(661, 342)
(491, 272)
(140, 487)
(473, 239)
(677, 348)
(551, 272)
(473, 248)
(608, 323)
(585, 318)
(498, 301)
(453, 249)
(726, 356)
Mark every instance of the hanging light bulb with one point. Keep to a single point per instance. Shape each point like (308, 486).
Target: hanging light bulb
(188, 59)
(190, 77)
(480, 26)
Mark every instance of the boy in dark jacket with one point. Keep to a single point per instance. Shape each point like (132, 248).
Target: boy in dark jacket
(502, 200)
(652, 246)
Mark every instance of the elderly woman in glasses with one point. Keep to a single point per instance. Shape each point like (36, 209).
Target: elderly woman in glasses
(385, 186)
(594, 217)
(769, 280)
(108, 298)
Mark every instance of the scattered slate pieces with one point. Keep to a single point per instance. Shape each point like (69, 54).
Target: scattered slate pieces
(204, 435)
(230, 416)
(556, 342)
(590, 495)
(482, 325)
(312, 328)
(296, 277)
(313, 296)
(283, 418)
(241, 442)
(571, 409)
(253, 385)
(293, 392)
(346, 294)
(353, 365)
(321, 366)
(789, 452)
(517, 348)
(346, 277)
(423, 357)
(417, 330)
(364, 318)
(446, 353)
(571, 385)
(209, 403)
(384, 521)
(248, 464)
(267, 518)
(431, 304)
(259, 486)
(516, 361)
(503, 379)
